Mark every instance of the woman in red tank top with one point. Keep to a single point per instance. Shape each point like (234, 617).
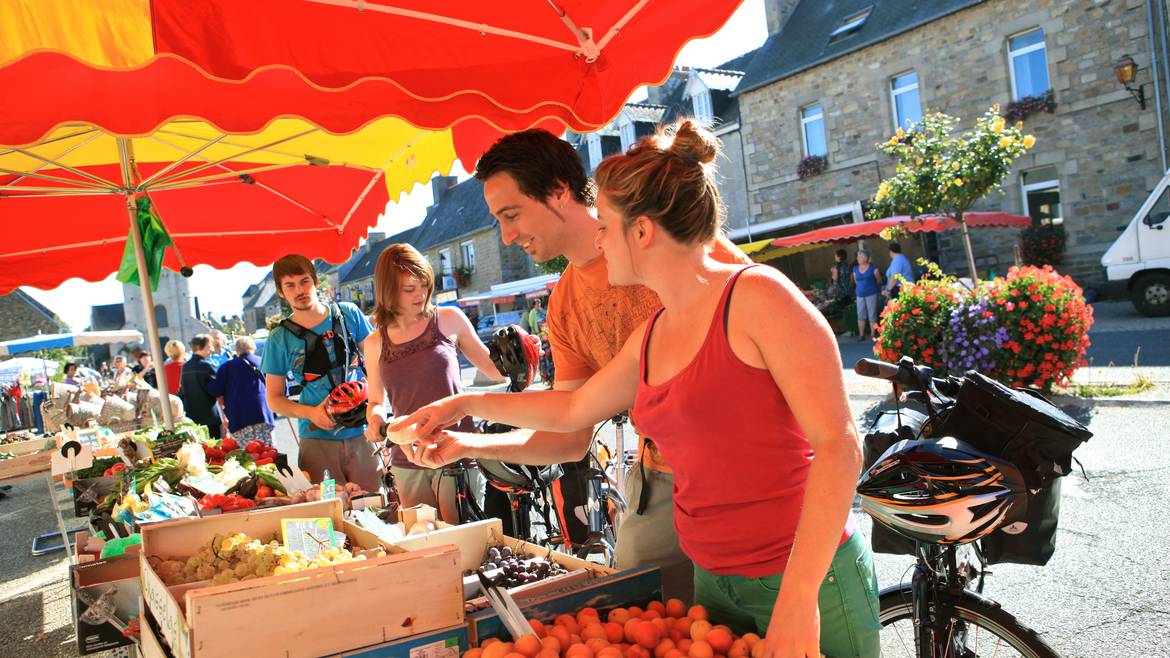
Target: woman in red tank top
(738, 380)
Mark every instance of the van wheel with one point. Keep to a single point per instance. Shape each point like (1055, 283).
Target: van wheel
(1151, 294)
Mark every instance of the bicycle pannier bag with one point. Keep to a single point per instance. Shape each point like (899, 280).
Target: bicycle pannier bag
(1036, 544)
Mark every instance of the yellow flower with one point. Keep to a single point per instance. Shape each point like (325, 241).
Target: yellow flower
(918, 161)
(995, 108)
(1005, 142)
(1029, 141)
(901, 133)
(997, 125)
(955, 166)
(1019, 125)
(958, 182)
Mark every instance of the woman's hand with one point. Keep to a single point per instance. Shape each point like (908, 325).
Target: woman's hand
(374, 424)
(433, 417)
(439, 450)
(795, 628)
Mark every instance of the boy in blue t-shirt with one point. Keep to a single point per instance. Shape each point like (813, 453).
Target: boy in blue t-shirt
(324, 445)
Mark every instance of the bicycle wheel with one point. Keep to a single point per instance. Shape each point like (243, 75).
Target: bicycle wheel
(983, 629)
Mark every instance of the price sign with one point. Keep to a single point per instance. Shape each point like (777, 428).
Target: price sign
(328, 489)
(167, 445)
(309, 536)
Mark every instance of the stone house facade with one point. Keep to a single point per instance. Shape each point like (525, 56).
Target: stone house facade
(835, 77)
(21, 316)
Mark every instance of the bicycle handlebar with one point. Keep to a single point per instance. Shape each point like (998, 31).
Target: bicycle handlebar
(906, 375)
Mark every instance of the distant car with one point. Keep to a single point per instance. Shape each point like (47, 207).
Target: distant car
(489, 323)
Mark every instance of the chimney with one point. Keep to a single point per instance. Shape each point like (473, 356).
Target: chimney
(777, 12)
(440, 186)
(374, 237)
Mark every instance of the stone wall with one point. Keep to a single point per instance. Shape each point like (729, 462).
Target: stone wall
(732, 185)
(1103, 146)
(19, 317)
(494, 262)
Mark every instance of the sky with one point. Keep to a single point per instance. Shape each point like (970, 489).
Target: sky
(219, 291)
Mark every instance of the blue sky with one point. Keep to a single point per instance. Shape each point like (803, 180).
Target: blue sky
(219, 291)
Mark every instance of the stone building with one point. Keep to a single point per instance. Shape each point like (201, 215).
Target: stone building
(173, 309)
(21, 315)
(835, 77)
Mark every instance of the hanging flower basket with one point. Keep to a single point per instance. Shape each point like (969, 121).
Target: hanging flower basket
(1029, 105)
(463, 275)
(812, 165)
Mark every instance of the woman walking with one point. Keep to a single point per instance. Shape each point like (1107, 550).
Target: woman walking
(176, 357)
(240, 383)
(413, 356)
(867, 283)
(761, 500)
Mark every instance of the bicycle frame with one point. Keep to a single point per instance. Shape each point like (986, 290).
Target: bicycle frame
(936, 583)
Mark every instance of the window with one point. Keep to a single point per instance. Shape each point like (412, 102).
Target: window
(594, 143)
(812, 128)
(1042, 195)
(628, 135)
(1028, 64)
(467, 251)
(905, 100)
(701, 103)
(445, 265)
(160, 316)
(850, 24)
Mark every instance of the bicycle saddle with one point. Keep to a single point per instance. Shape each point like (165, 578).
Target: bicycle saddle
(518, 478)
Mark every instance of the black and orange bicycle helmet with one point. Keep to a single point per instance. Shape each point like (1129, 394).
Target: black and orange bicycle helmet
(942, 491)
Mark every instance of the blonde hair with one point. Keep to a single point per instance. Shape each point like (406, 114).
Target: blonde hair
(245, 345)
(395, 260)
(670, 178)
(176, 350)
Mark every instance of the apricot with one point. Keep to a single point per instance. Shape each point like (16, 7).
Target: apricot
(673, 653)
(751, 639)
(650, 614)
(657, 606)
(515, 655)
(579, 649)
(596, 644)
(647, 636)
(700, 649)
(738, 649)
(698, 612)
(675, 608)
(562, 635)
(758, 649)
(547, 653)
(614, 632)
(720, 640)
(618, 616)
(610, 652)
(496, 650)
(551, 643)
(684, 645)
(683, 626)
(594, 630)
(700, 629)
(630, 627)
(660, 624)
(635, 611)
(663, 647)
(473, 653)
(538, 628)
(588, 612)
(528, 646)
(569, 623)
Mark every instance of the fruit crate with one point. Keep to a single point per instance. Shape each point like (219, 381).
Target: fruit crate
(361, 603)
(449, 642)
(30, 457)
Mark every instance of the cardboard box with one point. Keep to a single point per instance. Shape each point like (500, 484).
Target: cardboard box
(620, 589)
(309, 613)
(449, 642)
(31, 457)
(106, 599)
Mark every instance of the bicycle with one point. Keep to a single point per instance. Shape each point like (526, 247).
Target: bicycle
(942, 612)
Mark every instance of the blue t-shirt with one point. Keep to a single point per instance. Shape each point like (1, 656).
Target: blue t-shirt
(900, 267)
(285, 353)
(866, 281)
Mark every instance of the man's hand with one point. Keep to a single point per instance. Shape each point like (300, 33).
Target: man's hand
(439, 450)
(433, 417)
(321, 418)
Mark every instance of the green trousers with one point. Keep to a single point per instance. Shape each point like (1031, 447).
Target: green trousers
(848, 602)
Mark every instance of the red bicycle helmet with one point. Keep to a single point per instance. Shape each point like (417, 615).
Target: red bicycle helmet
(516, 354)
(346, 404)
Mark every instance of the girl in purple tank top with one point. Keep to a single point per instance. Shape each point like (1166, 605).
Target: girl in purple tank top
(412, 360)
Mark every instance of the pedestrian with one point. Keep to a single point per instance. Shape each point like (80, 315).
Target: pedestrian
(70, 372)
(119, 369)
(219, 352)
(538, 190)
(768, 558)
(867, 282)
(146, 369)
(899, 273)
(535, 317)
(336, 331)
(240, 383)
(176, 357)
(416, 351)
(841, 286)
(196, 374)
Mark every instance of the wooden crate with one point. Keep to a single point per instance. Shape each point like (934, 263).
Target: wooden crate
(31, 457)
(310, 613)
(449, 642)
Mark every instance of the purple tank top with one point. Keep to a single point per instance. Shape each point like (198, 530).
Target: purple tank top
(419, 372)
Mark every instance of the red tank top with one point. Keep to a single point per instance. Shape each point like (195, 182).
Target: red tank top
(740, 459)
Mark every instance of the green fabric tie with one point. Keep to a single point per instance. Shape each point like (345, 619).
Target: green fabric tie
(155, 240)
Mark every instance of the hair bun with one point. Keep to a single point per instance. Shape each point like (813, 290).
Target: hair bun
(694, 143)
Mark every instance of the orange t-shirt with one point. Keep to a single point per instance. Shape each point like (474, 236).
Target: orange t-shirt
(589, 321)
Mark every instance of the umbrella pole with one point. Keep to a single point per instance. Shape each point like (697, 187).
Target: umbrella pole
(967, 247)
(156, 352)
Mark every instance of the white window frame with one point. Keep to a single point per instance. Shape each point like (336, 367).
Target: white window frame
(467, 252)
(446, 266)
(593, 141)
(905, 89)
(701, 105)
(1040, 186)
(629, 134)
(1013, 54)
(804, 121)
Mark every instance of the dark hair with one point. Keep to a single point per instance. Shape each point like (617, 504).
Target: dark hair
(70, 365)
(842, 254)
(292, 265)
(540, 162)
(895, 248)
(199, 341)
(670, 178)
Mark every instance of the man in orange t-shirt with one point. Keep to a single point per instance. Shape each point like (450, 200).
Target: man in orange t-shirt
(539, 192)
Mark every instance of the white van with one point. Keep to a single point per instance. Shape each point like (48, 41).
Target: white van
(1141, 256)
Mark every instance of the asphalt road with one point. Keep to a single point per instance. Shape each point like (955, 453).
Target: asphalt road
(1120, 348)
